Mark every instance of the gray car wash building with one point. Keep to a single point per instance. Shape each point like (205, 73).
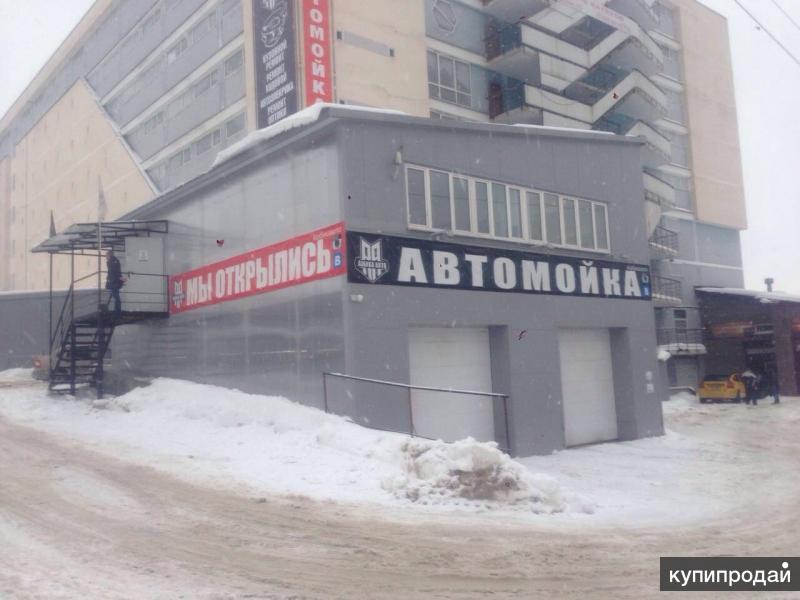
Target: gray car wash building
(490, 258)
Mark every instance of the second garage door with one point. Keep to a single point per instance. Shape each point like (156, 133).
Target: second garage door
(587, 383)
(457, 358)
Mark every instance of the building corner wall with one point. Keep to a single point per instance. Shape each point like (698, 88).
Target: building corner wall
(379, 55)
(713, 125)
(59, 166)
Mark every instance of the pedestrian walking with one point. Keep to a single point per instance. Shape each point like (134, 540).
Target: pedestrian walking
(750, 387)
(114, 281)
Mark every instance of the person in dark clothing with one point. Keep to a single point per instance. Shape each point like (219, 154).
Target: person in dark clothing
(751, 394)
(114, 280)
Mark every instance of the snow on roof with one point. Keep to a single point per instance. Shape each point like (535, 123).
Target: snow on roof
(566, 129)
(311, 114)
(301, 118)
(764, 297)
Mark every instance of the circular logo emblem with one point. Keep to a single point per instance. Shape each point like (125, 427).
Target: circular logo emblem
(444, 15)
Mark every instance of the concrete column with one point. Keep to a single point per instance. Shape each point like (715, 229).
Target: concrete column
(784, 348)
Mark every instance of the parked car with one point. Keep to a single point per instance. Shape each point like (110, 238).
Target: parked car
(721, 388)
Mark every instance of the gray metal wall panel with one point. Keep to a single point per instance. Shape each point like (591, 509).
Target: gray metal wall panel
(718, 245)
(575, 167)
(214, 100)
(274, 343)
(24, 323)
(150, 86)
(528, 369)
(133, 50)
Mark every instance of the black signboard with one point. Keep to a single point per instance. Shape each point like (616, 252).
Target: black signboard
(388, 260)
(274, 39)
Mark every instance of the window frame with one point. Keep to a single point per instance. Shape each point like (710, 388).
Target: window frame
(525, 193)
(439, 86)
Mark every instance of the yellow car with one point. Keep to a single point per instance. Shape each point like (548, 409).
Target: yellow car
(716, 388)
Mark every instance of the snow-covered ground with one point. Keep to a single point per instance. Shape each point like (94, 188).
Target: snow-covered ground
(260, 445)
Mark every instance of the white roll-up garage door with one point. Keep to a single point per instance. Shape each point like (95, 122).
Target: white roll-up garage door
(587, 383)
(457, 358)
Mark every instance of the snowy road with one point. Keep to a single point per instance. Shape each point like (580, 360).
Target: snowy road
(78, 524)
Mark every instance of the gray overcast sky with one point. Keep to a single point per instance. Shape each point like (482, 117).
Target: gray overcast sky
(767, 93)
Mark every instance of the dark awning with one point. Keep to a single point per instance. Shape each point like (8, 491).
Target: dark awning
(755, 295)
(82, 238)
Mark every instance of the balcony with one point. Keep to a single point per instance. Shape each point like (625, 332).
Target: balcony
(562, 63)
(560, 16)
(507, 103)
(666, 291)
(658, 191)
(507, 54)
(663, 243)
(657, 148)
(640, 11)
(635, 96)
(681, 342)
(513, 11)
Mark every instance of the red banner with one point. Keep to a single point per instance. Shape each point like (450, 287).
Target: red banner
(308, 257)
(317, 50)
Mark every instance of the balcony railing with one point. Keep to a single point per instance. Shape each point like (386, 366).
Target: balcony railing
(679, 336)
(666, 291)
(658, 191)
(502, 40)
(681, 342)
(505, 95)
(663, 243)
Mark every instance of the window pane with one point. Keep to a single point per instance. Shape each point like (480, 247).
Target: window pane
(499, 210)
(482, 205)
(440, 200)
(446, 76)
(448, 95)
(461, 203)
(553, 220)
(534, 216)
(570, 228)
(601, 224)
(234, 126)
(516, 212)
(416, 197)
(462, 77)
(233, 63)
(587, 228)
(432, 68)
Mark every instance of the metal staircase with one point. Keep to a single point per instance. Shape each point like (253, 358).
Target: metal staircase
(81, 334)
(81, 339)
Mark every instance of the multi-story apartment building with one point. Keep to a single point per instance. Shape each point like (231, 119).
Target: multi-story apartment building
(144, 93)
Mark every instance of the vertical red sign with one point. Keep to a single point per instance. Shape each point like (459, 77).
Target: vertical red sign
(317, 50)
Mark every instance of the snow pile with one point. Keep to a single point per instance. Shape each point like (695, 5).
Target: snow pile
(301, 118)
(473, 473)
(16, 375)
(230, 439)
(680, 403)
